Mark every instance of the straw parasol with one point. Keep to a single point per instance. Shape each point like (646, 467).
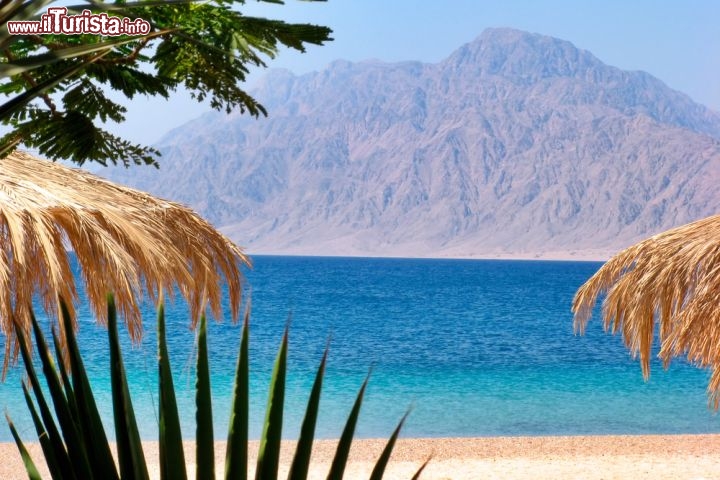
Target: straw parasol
(672, 279)
(126, 242)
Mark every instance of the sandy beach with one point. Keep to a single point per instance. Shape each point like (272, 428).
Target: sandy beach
(599, 457)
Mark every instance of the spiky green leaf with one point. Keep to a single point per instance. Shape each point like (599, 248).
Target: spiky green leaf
(337, 469)
(70, 429)
(30, 468)
(172, 456)
(268, 460)
(204, 438)
(420, 470)
(129, 447)
(45, 421)
(58, 470)
(379, 470)
(93, 431)
(301, 461)
(236, 455)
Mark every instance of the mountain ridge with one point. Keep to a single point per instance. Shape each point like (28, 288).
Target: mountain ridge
(515, 144)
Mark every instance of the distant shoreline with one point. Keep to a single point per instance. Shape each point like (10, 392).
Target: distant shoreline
(589, 457)
(559, 256)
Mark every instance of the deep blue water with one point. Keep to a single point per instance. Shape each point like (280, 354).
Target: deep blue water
(475, 348)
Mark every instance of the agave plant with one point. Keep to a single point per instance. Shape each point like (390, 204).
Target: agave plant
(75, 446)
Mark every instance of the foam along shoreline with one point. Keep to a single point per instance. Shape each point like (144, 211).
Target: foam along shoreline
(588, 457)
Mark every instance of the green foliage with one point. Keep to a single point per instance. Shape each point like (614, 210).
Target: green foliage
(268, 459)
(129, 446)
(30, 467)
(75, 446)
(237, 440)
(172, 456)
(204, 438)
(301, 462)
(337, 469)
(57, 84)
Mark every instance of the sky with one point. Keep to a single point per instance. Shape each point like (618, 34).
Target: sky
(676, 41)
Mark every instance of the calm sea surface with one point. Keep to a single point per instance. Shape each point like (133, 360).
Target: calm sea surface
(475, 348)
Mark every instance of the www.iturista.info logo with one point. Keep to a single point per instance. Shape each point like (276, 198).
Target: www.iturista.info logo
(57, 22)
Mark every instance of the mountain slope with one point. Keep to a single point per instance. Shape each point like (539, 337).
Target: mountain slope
(515, 144)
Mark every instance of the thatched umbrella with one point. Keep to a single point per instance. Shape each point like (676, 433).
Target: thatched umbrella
(672, 279)
(126, 242)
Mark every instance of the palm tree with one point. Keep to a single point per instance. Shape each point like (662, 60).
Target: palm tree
(672, 279)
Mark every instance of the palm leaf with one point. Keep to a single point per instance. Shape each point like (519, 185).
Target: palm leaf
(75, 407)
(204, 438)
(236, 455)
(66, 384)
(301, 461)
(269, 454)
(129, 447)
(45, 422)
(56, 470)
(30, 467)
(97, 443)
(337, 469)
(71, 433)
(172, 456)
(420, 470)
(379, 470)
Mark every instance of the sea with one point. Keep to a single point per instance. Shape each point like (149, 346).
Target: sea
(468, 347)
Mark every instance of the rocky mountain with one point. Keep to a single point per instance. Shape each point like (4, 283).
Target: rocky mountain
(516, 143)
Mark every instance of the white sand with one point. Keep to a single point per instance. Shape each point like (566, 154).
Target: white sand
(655, 457)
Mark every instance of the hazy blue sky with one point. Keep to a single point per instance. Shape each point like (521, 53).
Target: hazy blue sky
(676, 41)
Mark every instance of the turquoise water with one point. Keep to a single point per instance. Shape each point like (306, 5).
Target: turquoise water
(475, 348)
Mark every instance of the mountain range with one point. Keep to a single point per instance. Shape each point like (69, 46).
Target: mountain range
(516, 144)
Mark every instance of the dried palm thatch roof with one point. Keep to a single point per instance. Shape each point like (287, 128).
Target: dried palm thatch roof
(672, 279)
(126, 242)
